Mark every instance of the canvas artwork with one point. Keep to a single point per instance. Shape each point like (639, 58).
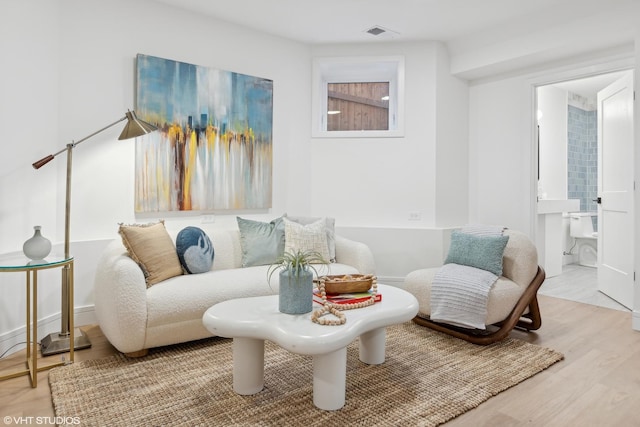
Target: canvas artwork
(214, 146)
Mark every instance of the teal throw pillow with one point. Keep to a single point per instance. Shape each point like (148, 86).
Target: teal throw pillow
(262, 242)
(195, 250)
(483, 252)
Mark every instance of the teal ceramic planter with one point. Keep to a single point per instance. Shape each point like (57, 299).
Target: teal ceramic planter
(296, 292)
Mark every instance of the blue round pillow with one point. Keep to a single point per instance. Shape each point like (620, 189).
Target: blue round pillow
(195, 250)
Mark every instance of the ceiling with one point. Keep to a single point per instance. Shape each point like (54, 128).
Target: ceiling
(464, 26)
(346, 21)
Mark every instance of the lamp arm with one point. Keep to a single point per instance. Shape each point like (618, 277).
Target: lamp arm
(43, 161)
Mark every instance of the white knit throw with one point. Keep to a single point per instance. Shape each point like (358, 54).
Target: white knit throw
(459, 293)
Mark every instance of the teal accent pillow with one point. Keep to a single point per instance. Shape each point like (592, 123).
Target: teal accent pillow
(483, 252)
(262, 242)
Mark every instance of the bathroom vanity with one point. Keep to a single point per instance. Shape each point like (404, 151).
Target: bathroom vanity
(550, 232)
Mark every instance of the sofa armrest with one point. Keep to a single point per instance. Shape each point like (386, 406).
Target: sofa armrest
(121, 299)
(355, 254)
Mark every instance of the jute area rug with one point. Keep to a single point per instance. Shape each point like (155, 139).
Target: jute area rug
(427, 379)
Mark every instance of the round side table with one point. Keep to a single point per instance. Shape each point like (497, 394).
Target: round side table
(18, 263)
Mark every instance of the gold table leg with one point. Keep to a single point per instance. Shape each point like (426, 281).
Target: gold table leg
(32, 368)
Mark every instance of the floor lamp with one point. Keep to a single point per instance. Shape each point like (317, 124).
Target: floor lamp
(59, 342)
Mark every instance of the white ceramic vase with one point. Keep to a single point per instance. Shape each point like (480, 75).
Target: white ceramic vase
(38, 246)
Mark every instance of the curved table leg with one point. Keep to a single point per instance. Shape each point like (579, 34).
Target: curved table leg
(329, 379)
(248, 365)
(372, 346)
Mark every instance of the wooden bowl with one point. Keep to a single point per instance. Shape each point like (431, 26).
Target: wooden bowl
(347, 283)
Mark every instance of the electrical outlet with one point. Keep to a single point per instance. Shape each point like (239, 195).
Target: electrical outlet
(208, 219)
(415, 216)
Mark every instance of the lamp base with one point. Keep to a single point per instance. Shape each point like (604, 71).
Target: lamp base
(55, 343)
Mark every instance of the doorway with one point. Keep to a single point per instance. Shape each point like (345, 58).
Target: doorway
(567, 131)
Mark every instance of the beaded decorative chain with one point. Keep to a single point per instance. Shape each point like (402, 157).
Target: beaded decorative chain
(336, 309)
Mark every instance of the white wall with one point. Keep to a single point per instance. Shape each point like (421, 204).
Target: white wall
(100, 66)
(28, 117)
(378, 181)
(553, 124)
(399, 250)
(500, 149)
(29, 120)
(72, 73)
(452, 145)
(83, 77)
(81, 71)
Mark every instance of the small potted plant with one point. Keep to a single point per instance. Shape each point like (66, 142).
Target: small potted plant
(296, 280)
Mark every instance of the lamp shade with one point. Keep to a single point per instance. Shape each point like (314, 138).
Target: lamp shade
(135, 127)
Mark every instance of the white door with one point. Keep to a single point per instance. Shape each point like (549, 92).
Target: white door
(615, 188)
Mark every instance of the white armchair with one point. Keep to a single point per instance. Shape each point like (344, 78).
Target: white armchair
(512, 300)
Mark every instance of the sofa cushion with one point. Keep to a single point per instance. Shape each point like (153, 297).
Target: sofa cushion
(151, 247)
(195, 250)
(262, 242)
(306, 238)
(483, 252)
(330, 227)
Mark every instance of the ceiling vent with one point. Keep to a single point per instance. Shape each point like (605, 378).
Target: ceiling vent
(381, 32)
(376, 31)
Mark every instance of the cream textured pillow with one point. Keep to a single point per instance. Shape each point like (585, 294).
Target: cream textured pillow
(152, 248)
(330, 225)
(311, 237)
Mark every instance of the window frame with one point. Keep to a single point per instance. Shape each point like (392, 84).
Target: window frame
(369, 69)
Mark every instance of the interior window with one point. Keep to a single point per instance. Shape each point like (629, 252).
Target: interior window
(358, 106)
(358, 97)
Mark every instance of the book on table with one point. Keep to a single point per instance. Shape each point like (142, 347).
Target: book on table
(350, 298)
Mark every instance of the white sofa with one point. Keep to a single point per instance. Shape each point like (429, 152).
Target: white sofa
(135, 318)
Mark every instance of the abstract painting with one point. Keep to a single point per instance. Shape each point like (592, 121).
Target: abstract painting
(213, 149)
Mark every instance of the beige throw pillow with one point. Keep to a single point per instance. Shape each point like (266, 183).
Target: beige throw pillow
(152, 248)
(311, 237)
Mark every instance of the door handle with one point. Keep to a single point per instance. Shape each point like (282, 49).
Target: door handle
(598, 200)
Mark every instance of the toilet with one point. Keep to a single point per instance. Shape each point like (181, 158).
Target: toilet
(581, 229)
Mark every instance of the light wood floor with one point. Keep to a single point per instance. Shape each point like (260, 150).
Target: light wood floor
(598, 383)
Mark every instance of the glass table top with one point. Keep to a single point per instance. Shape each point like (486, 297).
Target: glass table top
(21, 262)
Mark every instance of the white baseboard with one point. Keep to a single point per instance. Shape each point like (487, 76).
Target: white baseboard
(85, 316)
(635, 320)
(398, 282)
(48, 325)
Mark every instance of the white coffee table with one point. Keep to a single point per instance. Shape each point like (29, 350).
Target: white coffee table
(250, 321)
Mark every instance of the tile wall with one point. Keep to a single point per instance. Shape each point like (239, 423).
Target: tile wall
(582, 157)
